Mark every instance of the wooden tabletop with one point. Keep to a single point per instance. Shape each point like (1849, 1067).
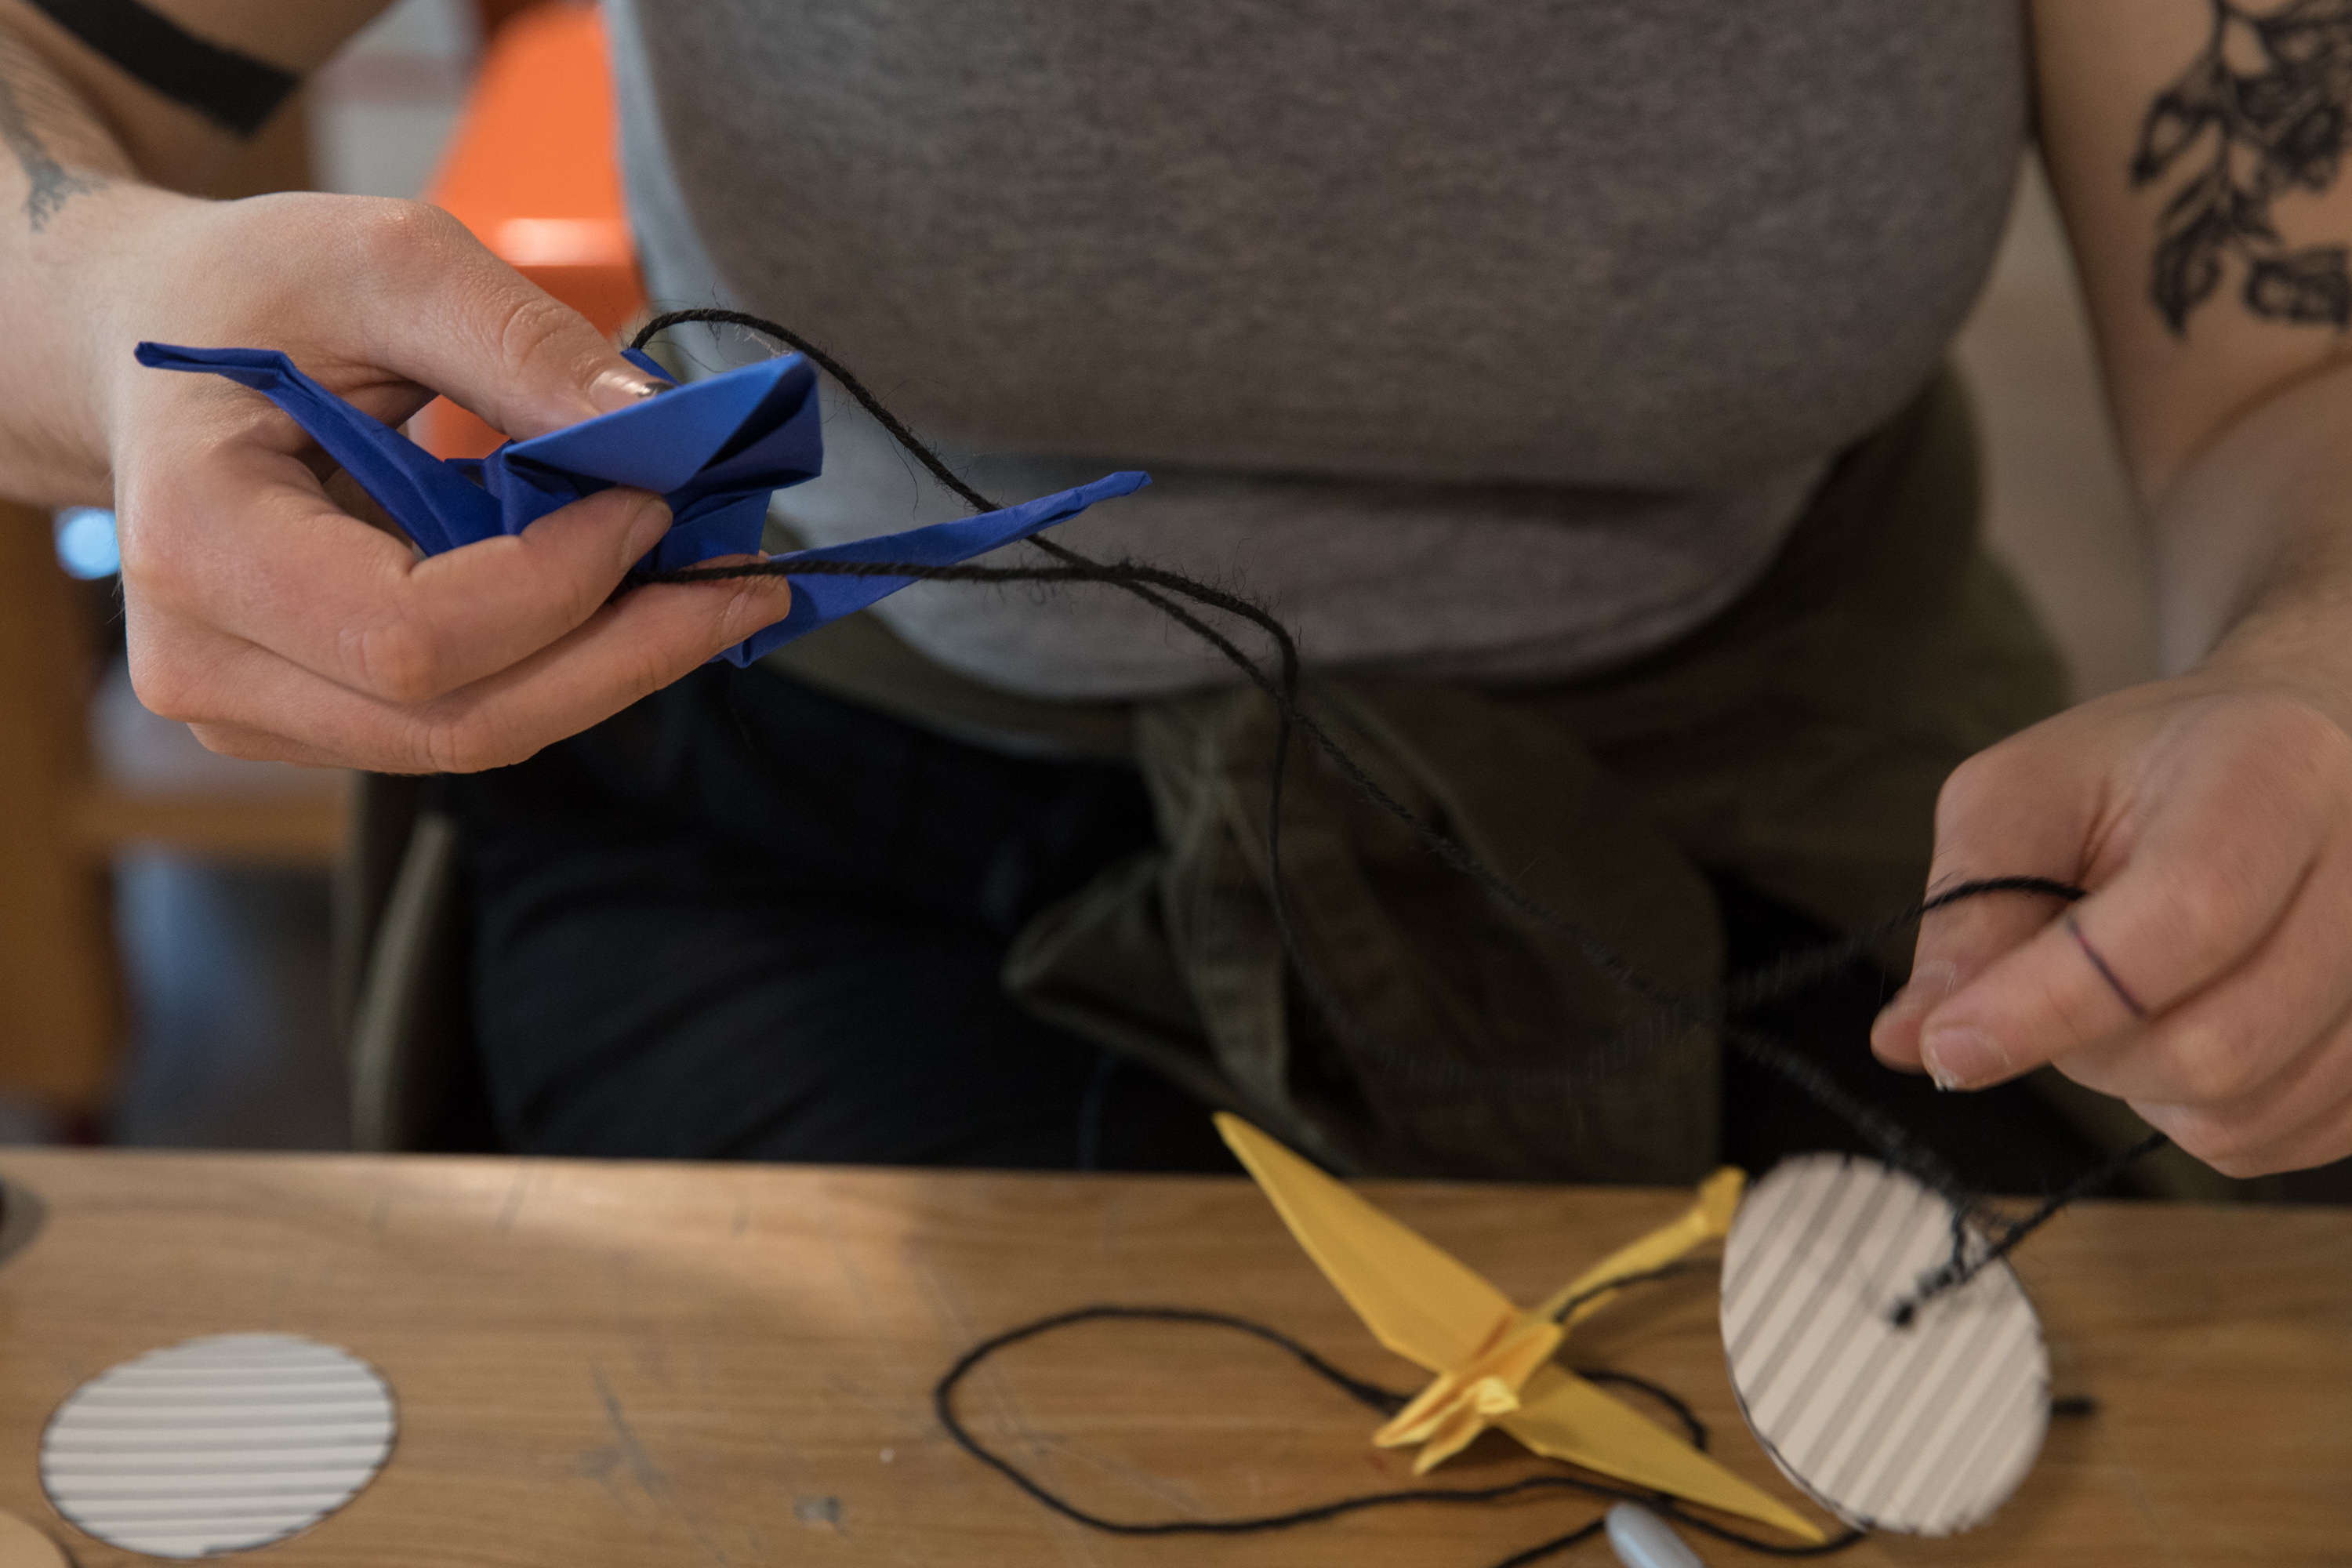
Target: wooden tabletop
(672, 1364)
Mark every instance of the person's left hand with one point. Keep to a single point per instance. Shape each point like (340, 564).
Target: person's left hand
(2207, 979)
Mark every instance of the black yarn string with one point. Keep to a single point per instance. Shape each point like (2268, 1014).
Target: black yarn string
(1140, 581)
(1386, 1402)
(1672, 1012)
(1796, 970)
(1780, 980)
(1965, 1265)
(907, 438)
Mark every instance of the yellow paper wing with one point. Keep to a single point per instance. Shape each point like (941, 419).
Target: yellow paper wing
(1417, 1298)
(1564, 1417)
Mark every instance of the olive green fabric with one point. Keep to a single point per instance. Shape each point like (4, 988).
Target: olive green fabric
(1799, 740)
(1471, 1035)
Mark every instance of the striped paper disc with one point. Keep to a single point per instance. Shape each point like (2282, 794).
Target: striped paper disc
(217, 1444)
(1925, 1428)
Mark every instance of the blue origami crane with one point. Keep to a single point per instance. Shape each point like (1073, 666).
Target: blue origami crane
(714, 449)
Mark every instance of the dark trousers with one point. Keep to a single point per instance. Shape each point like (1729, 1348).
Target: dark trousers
(747, 921)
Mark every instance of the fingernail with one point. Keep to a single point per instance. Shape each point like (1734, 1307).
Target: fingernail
(614, 390)
(646, 527)
(1960, 1057)
(1930, 983)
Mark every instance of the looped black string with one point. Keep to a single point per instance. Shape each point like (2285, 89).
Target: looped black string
(1386, 1402)
(1671, 1012)
(1966, 1262)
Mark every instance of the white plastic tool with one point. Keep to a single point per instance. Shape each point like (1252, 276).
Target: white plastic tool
(1641, 1540)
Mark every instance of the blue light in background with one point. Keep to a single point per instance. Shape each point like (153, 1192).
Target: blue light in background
(86, 543)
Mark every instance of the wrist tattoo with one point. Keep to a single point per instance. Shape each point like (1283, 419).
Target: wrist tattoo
(28, 101)
(2263, 110)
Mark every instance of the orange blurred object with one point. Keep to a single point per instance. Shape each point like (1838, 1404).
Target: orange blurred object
(533, 170)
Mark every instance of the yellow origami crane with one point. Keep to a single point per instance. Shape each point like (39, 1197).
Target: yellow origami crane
(1493, 1362)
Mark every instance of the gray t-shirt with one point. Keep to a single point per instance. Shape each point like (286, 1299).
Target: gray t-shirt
(1489, 339)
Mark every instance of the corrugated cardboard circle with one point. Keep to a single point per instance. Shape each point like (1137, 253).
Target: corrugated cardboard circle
(217, 1444)
(1925, 1428)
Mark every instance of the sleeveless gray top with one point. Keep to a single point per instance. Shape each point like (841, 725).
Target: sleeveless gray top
(1492, 339)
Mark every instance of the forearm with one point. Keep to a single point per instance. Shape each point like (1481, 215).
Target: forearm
(2211, 249)
(99, 123)
(2253, 547)
(69, 192)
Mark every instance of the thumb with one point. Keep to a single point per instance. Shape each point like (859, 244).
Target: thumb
(1995, 818)
(491, 340)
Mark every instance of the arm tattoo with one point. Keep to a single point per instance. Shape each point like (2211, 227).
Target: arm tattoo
(29, 101)
(2267, 106)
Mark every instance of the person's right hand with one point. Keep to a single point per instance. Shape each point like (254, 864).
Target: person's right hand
(265, 614)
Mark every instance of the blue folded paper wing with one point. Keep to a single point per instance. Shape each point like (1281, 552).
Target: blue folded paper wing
(715, 450)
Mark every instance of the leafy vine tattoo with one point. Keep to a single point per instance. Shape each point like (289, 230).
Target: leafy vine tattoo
(2268, 102)
(49, 183)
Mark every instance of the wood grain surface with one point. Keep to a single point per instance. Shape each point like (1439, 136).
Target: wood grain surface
(673, 1364)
